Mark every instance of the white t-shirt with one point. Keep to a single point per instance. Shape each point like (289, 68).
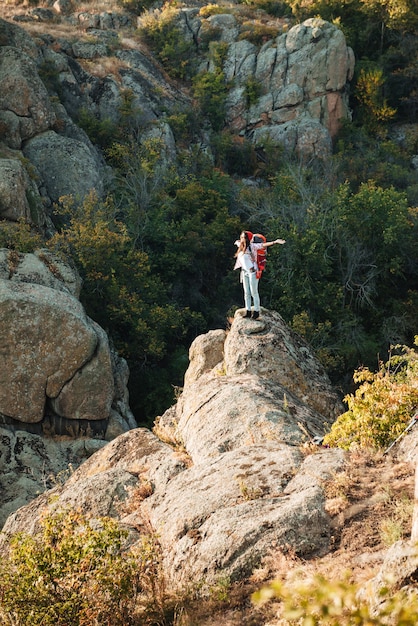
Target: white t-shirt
(246, 260)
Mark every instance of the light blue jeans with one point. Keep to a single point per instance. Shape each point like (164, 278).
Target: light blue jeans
(250, 285)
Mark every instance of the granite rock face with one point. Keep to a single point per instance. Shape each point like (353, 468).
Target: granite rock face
(223, 477)
(302, 77)
(63, 390)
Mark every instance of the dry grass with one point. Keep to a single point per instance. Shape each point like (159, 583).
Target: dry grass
(105, 66)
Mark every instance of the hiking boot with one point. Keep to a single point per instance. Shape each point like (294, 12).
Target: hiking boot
(247, 314)
(255, 315)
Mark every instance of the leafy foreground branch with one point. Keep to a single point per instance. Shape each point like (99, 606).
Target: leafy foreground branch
(320, 602)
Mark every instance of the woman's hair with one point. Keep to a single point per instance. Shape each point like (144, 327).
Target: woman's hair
(243, 245)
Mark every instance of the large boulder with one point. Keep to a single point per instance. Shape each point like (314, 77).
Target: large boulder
(224, 477)
(63, 390)
(57, 362)
(66, 166)
(46, 339)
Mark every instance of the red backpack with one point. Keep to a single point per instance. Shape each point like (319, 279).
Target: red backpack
(260, 255)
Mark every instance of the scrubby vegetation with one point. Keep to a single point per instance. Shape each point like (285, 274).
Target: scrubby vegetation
(321, 602)
(77, 571)
(381, 408)
(347, 279)
(156, 260)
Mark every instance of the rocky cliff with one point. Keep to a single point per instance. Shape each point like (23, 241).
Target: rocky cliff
(223, 477)
(63, 389)
(59, 375)
(302, 76)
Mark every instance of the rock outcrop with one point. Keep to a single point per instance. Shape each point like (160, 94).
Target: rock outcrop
(56, 360)
(223, 478)
(302, 77)
(58, 377)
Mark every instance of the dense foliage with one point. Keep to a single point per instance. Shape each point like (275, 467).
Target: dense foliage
(157, 255)
(380, 410)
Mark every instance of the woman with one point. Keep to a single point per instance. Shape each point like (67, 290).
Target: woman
(246, 256)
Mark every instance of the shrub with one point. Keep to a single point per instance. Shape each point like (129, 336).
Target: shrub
(383, 404)
(19, 236)
(369, 92)
(162, 33)
(210, 90)
(234, 154)
(101, 132)
(213, 9)
(74, 572)
(257, 33)
(252, 91)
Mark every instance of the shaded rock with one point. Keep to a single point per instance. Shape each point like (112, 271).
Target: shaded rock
(84, 50)
(100, 495)
(16, 37)
(42, 15)
(14, 186)
(23, 98)
(29, 464)
(88, 395)
(66, 166)
(303, 137)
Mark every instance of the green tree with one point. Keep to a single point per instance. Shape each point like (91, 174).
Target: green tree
(210, 90)
(375, 110)
(123, 295)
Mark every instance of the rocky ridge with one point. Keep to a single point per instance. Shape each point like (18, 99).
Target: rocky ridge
(223, 477)
(303, 75)
(230, 477)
